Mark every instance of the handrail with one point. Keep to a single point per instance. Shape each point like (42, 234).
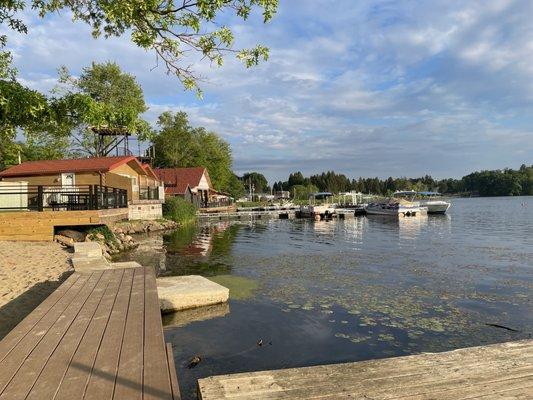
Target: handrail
(61, 197)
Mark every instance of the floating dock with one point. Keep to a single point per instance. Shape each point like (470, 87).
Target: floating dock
(98, 336)
(238, 215)
(501, 371)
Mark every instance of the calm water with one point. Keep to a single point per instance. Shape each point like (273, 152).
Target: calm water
(371, 287)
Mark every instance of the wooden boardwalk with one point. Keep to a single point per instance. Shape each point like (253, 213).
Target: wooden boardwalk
(98, 336)
(502, 371)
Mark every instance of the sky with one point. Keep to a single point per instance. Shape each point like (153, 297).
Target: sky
(366, 88)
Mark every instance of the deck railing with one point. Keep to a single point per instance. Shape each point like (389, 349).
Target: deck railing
(19, 196)
(149, 193)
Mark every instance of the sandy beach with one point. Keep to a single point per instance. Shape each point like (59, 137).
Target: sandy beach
(29, 272)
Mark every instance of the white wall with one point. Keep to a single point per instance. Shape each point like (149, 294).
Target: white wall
(13, 200)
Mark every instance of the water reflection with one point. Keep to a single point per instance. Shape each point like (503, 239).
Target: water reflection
(359, 288)
(185, 317)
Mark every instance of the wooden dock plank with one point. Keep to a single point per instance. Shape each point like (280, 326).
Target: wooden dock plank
(34, 364)
(75, 380)
(172, 371)
(24, 327)
(90, 341)
(106, 365)
(49, 380)
(156, 386)
(14, 359)
(459, 374)
(130, 370)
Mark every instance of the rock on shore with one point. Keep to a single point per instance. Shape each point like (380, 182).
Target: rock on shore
(115, 238)
(141, 226)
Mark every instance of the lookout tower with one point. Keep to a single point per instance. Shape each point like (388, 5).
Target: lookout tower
(112, 140)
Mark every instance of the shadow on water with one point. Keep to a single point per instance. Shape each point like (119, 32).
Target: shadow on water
(17, 309)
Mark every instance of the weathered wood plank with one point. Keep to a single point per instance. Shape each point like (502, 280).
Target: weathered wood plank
(31, 369)
(104, 372)
(156, 385)
(14, 359)
(47, 383)
(457, 374)
(75, 380)
(130, 371)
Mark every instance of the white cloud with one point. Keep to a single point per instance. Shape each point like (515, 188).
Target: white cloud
(371, 88)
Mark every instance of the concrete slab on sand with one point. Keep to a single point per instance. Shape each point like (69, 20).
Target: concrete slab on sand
(190, 291)
(88, 257)
(87, 249)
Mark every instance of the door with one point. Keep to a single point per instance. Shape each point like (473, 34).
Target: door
(68, 190)
(68, 179)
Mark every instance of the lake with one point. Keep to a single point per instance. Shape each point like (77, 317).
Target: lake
(349, 290)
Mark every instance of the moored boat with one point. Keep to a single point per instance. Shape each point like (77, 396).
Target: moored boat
(394, 208)
(400, 204)
(318, 211)
(434, 206)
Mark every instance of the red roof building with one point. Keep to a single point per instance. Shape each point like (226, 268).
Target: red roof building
(179, 181)
(124, 172)
(47, 167)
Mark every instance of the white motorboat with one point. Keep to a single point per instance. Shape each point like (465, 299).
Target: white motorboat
(401, 204)
(434, 206)
(394, 209)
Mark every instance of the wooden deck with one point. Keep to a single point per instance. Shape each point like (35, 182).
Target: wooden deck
(502, 371)
(39, 226)
(98, 336)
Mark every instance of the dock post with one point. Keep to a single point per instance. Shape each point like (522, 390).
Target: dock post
(40, 198)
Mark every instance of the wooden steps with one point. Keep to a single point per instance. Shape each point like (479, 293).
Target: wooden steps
(501, 371)
(98, 336)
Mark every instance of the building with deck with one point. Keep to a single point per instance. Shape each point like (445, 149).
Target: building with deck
(192, 184)
(84, 191)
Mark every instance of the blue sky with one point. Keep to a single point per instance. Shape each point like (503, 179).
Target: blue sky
(367, 88)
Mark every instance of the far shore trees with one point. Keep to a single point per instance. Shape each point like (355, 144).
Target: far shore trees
(506, 182)
(257, 180)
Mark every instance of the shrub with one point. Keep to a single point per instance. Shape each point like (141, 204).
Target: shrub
(109, 236)
(179, 210)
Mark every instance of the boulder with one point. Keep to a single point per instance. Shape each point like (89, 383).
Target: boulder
(74, 235)
(65, 241)
(190, 291)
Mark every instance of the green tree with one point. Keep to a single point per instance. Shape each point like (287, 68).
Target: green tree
(296, 178)
(302, 192)
(103, 96)
(171, 28)
(178, 144)
(235, 187)
(39, 118)
(257, 180)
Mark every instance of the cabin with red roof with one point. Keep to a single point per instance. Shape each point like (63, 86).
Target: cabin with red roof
(193, 184)
(182, 181)
(56, 178)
